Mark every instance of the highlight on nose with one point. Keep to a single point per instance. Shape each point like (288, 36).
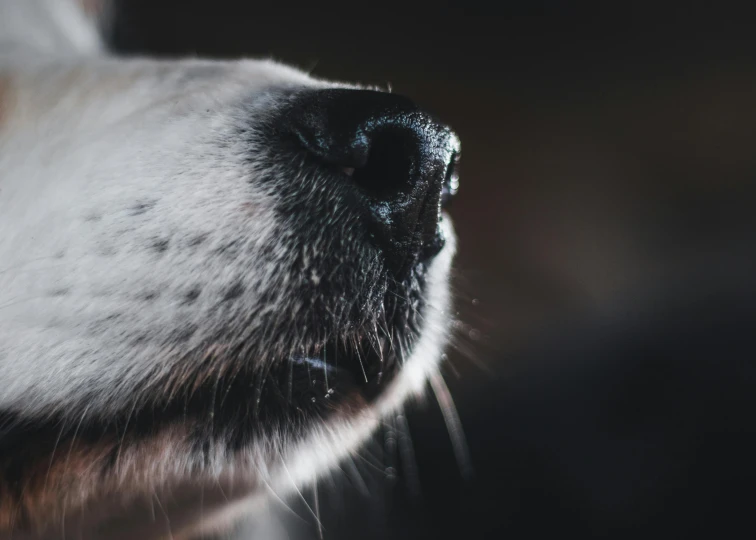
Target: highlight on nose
(401, 161)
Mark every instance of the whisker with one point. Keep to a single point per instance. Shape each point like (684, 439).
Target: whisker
(278, 498)
(52, 456)
(389, 450)
(354, 473)
(453, 424)
(359, 357)
(63, 519)
(152, 504)
(73, 439)
(407, 456)
(220, 488)
(296, 488)
(448, 366)
(229, 384)
(165, 514)
(370, 463)
(317, 510)
(123, 436)
(202, 507)
(290, 384)
(259, 388)
(325, 368)
(399, 296)
(312, 67)
(468, 352)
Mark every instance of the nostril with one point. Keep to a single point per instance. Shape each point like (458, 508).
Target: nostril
(389, 168)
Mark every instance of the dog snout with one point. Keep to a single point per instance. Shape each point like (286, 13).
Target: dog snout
(400, 160)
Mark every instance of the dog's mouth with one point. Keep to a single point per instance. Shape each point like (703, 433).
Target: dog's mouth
(335, 377)
(339, 368)
(353, 367)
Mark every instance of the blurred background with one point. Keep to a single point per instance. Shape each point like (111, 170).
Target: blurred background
(605, 359)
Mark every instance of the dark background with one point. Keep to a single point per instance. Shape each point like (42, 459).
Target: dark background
(605, 364)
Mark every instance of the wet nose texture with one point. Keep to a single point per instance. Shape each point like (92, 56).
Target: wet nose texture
(400, 160)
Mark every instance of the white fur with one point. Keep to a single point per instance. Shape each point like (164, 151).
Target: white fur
(65, 214)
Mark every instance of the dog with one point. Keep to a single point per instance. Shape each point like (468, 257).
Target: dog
(216, 277)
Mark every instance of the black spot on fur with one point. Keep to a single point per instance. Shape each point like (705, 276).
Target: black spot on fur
(140, 340)
(60, 292)
(192, 295)
(104, 324)
(184, 334)
(197, 240)
(141, 207)
(229, 249)
(160, 245)
(233, 292)
(151, 296)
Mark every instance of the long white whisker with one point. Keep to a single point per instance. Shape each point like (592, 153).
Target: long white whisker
(407, 456)
(296, 488)
(277, 497)
(325, 368)
(369, 463)
(165, 514)
(389, 450)
(468, 352)
(355, 474)
(453, 424)
(52, 456)
(123, 436)
(359, 357)
(73, 439)
(317, 510)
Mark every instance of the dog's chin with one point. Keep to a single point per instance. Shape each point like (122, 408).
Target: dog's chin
(378, 388)
(358, 415)
(229, 440)
(321, 403)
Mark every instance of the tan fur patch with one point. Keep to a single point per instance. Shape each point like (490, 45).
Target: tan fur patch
(79, 473)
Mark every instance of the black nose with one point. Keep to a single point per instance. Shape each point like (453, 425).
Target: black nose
(401, 160)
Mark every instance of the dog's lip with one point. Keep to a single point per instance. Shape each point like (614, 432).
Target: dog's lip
(321, 378)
